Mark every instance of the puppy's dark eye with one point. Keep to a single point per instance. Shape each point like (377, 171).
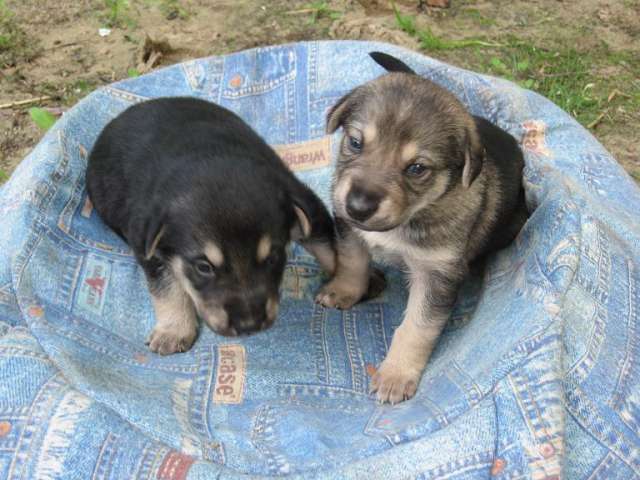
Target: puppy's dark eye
(204, 268)
(272, 259)
(355, 144)
(415, 170)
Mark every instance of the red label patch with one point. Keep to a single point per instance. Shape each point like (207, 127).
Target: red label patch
(175, 466)
(94, 284)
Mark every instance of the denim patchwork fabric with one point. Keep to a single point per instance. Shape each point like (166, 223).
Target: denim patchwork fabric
(536, 376)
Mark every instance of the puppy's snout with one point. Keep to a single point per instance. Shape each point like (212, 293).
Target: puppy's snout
(247, 316)
(361, 203)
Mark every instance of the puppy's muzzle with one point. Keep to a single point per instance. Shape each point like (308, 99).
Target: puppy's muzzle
(362, 204)
(246, 317)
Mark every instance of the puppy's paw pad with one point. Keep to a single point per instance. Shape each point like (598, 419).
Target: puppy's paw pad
(335, 295)
(166, 342)
(392, 385)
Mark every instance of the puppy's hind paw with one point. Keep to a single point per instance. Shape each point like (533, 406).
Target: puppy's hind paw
(393, 385)
(166, 342)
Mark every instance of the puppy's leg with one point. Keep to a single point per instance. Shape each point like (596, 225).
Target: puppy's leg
(324, 252)
(176, 323)
(431, 298)
(351, 280)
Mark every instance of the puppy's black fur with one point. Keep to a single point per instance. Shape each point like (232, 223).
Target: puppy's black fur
(511, 215)
(208, 209)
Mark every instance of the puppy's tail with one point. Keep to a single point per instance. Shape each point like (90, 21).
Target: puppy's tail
(390, 63)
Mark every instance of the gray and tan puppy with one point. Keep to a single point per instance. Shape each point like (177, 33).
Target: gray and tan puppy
(426, 184)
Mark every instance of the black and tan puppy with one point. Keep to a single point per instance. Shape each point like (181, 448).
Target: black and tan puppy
(208, 209)
(427, 184)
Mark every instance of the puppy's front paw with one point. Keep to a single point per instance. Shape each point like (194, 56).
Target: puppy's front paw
(338, 294)
(167, 341)
(393, 384)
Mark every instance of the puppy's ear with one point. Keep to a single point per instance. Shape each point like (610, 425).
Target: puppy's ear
(473, 157)
(144, 234)
(338, 113)
(301, 229)
(155, 231)
(312, 221)
(390, 63)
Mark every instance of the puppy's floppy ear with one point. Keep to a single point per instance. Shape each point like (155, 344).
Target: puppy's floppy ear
(301, 229)
(155, 231)
(312, 221)
(338, 113)
(144, 233)
(473, 157)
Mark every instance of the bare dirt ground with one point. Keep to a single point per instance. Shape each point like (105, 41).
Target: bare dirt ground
(584, 55)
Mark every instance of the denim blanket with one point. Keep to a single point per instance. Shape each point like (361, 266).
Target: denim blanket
(536, 376)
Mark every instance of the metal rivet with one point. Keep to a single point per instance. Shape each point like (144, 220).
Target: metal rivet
(141, 358)
(498, 466)
(5, 428)
(547, 450)
(36, 311)
(236, 81)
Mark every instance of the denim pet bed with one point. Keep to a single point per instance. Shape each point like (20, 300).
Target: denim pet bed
(536, 375)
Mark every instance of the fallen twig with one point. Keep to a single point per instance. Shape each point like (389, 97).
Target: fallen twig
(28, 101)
(300, 12)
(61, 45)
(617, 93)
(596, 121)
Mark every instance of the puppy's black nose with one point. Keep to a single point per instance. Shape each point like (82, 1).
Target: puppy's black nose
(246, 317)
(362, 204)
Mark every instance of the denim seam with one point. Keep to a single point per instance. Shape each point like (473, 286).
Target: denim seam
(15, 352)
(318, 334)
(65, 220)
(600, 472)
(264, 441)
(123, 94)
(290, 102)
(104, 462)
(446, 470)
(7, 296)
(628, 368)
(354, 354)
(200, 394)
(586, 414)
(51, 389)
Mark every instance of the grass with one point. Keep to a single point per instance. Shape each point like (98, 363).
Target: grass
(3, 176)
(429, 41)
(479, 18)
(117, 14)
(569, 78)
(563, 73)
(563, 76)
(172, 9)
(15, 45)
(320, 10)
